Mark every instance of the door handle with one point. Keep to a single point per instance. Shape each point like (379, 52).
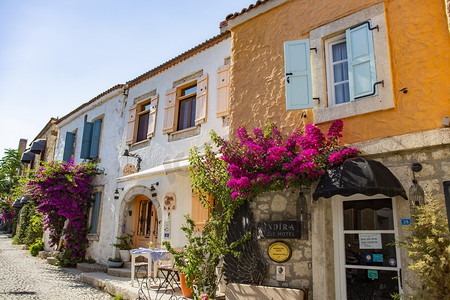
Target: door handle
(287, 77)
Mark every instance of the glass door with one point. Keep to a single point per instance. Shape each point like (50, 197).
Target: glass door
(371, 266)
(146, 223)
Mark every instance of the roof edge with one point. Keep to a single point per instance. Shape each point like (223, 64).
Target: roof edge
(117, 86)
(183, 56)
(260, 7)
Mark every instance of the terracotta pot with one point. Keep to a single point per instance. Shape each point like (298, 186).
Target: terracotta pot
(186, 292)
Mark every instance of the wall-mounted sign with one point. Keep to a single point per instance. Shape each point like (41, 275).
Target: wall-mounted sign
(170, 201)
(281, 273)
(279, 230)
(129, 169)
(370, 241)
(279, 251)
(406, 222)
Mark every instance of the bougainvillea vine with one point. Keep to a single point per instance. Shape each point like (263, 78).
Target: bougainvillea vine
(62, 193)
(265, 162)
(7, 213)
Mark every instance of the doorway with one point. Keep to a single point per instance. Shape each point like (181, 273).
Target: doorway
(145, 222)
(369, 266)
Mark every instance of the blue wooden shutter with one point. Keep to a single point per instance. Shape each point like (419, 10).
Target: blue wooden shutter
(86, 141)
(96, 132)
(95, 212)
(361, 61)
(68, 146)
(298, 75)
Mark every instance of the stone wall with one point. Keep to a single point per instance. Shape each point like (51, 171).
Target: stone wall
(283, 206)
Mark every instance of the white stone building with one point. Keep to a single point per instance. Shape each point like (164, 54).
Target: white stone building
(140, 133)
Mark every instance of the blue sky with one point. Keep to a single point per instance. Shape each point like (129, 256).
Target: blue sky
(58, 54)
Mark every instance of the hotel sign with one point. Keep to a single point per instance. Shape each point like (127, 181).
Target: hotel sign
(279, 230)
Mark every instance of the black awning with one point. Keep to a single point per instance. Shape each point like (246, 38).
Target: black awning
(359, 176)
(17, 204)
(38, 146)
(24, 200)
(27, 157)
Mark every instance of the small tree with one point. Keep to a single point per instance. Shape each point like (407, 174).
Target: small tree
(9, 170)
(429, 249)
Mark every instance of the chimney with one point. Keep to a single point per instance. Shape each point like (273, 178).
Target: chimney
(22, 145)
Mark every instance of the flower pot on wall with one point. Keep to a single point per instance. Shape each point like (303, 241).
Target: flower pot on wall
(186, 291)
(125, 255)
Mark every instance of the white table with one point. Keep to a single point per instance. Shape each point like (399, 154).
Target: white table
(152, 255)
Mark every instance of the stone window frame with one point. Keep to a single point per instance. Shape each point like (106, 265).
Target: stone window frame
(383, 99)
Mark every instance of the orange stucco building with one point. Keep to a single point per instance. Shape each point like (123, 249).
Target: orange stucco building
(419, 60)
(383, 67)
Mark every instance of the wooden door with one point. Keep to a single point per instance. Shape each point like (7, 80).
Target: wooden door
(145, 222)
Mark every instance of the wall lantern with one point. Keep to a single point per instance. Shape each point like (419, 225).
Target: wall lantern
(153, 189)
(416, 193)
(139, 159)
(116, 193)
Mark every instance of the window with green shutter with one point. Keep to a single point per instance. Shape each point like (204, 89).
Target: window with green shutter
(69, 146)
(91, 139)
(298, 75)
(95, 213)
(350, 65)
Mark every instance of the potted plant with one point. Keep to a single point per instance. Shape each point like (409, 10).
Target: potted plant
(114, 262)
(124, 245)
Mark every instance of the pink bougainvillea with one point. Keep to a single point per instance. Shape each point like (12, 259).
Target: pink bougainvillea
(6, 210)
(264, 162)
(62, 192)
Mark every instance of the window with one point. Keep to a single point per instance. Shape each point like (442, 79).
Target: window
(69, 146)
(143, 114)
(186, 108)
(142, 120)
(186, 105)
(337, 70)
(344, 67)
(95, 213)
(90, 143)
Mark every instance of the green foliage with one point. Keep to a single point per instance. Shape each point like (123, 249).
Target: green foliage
(118, 297)
(429, 249)
(37, 246)
(90, 260)
(125, 242)
(115, 259)
(30, 225)
(9, 170)
(205, 250)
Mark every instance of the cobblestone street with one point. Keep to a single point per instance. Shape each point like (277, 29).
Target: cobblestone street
(23, 276)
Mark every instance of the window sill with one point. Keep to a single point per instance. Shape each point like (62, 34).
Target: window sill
(140, 144)
(185, 133)
(93, 237)
(354, 108)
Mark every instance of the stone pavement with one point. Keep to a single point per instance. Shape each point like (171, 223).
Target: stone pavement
(23, 276)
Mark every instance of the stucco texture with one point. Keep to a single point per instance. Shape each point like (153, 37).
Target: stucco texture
(419, 44)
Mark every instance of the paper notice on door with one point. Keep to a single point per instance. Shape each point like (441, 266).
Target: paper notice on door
(370, 241)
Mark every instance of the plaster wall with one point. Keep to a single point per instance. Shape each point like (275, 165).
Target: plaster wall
(160, 149)
(419, 49)
(108, 108)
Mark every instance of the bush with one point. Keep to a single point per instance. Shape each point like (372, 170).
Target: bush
(429, 249)
(37, 246)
